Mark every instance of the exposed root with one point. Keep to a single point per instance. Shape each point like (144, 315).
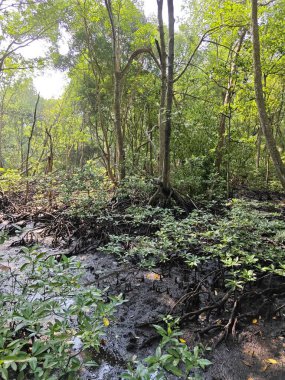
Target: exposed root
(167, 198)
(229, 327)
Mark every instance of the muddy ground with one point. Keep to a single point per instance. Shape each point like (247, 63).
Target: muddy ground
(148, 298)
(256, 352)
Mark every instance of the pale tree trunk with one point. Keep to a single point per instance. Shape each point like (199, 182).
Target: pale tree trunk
(263, 117)
(117, 95)
(227, 100)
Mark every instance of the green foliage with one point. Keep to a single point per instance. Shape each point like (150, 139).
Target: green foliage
(86, 191)
(247, 241)
(79, 126)
(10, 180)
(44, 308)
(172, 356)
(134, 188)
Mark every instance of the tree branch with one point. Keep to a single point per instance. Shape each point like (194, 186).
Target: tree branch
(202, 39)
(136, 54)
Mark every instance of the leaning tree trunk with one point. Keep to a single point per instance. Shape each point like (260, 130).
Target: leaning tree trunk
(264, 120)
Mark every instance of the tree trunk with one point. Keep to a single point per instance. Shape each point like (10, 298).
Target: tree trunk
(31, 136)
(117, 95)
(263, 117)
(163, 86)
(258, 146)
(169, 99)
(227, 101)
(119, 74)
(29, 147)
(119, 132)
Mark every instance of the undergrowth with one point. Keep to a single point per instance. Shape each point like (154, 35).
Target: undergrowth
(247, 242)
(43, 310)
(172, 356)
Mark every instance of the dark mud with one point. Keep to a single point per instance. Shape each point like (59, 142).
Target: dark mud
(149, 296)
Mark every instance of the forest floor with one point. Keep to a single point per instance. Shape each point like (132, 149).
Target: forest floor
(247, 343)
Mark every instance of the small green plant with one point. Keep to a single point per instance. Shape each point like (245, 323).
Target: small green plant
(43, 310)
(172, 356)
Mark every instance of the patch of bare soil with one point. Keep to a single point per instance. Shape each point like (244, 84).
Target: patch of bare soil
(257, 354)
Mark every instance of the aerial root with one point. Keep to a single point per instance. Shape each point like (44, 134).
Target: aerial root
(171, 197)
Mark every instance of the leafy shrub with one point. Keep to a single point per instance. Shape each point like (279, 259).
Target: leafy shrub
(43, 309)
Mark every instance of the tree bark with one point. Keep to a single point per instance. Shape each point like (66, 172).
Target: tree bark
(163, 86)
(117, 94)
(31, 136)
(260, 101)
(169, 99)
(227, 101)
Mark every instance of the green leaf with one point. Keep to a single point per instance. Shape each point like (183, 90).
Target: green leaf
(21, 358)
(174, 370)
(204, 363)
(33, 363)
(39, 347)
(4, 373)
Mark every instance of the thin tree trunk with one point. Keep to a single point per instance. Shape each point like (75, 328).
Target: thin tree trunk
(119, 74)
(258, 146)
(31, 135)
(117, 94)
(264, 120)
(227, 101)
(169, 99)
(165, 193)
(29, 147)
(163, 87)
(49, 168)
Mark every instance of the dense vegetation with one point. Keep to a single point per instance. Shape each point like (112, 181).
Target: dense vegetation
(216, 134)
(165, 152)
